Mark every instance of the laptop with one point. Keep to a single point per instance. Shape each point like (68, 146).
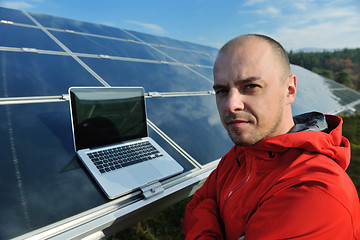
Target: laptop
(111, 138)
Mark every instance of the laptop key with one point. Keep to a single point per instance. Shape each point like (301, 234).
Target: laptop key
(125, 164)
(112, 159)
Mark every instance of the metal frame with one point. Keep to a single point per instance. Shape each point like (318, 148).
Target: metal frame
(120, 213)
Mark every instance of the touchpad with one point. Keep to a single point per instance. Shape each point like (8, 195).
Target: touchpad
(144, 173)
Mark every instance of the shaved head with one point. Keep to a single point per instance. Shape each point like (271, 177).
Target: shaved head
(279, 52)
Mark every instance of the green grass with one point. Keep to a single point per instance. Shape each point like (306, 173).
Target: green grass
(351, 131)
(166, 224)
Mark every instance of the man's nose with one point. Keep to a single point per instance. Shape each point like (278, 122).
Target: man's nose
(235, 101)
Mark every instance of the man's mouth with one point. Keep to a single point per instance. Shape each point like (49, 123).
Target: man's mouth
(238, 120)
(236, 123)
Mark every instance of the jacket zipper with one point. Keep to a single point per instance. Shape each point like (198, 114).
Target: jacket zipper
(237, 187)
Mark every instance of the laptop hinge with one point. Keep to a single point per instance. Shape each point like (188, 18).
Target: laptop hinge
(151, 189)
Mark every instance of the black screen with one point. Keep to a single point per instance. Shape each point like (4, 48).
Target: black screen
(107, 115)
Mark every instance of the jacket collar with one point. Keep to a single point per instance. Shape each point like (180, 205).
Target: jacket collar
(313, 121)
(313, 138)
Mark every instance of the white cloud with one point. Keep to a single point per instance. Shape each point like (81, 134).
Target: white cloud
(323, 35)
(325, 14)
(322, 25)
(201, 38)
(330, 12)
(252, 2)
(300, 6)
(153, 28)
(267, 11)
(17, 5)
(272, 11)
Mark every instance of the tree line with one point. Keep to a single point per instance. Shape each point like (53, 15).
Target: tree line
(342, 66)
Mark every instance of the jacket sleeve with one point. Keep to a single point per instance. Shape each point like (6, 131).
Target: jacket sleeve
(201, 220)
(300, 212)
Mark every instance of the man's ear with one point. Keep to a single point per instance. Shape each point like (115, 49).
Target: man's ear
(291, 89)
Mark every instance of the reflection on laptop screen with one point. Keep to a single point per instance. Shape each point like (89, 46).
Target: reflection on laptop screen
(107, 116)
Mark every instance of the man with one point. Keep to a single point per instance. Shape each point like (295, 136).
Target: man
(285, 177)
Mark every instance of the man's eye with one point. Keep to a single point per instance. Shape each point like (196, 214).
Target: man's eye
(221, 91)
(251, 86)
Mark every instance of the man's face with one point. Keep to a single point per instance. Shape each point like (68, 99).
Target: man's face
(250, 93)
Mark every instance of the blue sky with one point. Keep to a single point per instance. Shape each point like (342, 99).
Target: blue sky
(296, 24)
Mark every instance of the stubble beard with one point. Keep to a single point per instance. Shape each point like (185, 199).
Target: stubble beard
(238, 137)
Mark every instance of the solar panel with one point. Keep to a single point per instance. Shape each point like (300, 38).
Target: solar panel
(35, 38)
(31, 74)
(317, 93)
(42, 56)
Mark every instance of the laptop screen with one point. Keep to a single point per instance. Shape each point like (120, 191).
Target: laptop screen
(107, 115)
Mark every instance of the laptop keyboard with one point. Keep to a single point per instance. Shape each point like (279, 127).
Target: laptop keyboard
(115, 158)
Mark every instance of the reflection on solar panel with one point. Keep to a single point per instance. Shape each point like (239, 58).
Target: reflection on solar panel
(42, 181)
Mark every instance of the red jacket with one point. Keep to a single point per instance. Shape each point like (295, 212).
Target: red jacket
(291, 186)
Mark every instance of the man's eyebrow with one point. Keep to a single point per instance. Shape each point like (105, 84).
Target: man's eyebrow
(248, 79)
(218, 86)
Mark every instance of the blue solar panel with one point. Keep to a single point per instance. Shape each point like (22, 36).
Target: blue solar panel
(94, 45)
(152, 76)
(194, 118)
(14, 16)
(35, 38)
(78, 26)
(31, 74)
(316, 93)
(188, 57)
(161, 41)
